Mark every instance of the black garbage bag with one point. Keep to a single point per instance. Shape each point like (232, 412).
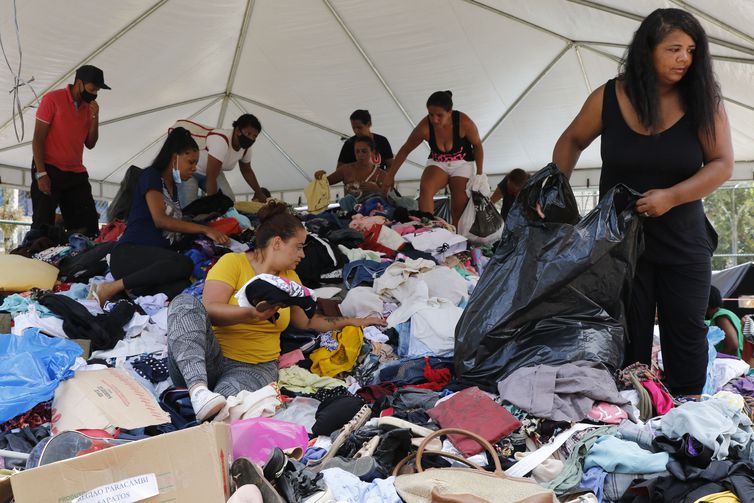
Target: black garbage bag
(556, 288)
(487, 219)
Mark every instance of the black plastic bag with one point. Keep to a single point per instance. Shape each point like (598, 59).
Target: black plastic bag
(555, 289)
(487, 220)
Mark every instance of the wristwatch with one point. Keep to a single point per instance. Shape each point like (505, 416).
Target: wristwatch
(39, 175)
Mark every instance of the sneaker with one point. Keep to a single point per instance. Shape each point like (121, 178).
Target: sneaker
(275, 465)
(206, 404)
(361, 417)
(244, 472)
(366, 468)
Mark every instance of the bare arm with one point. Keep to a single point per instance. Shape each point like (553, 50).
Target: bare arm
(337, 175)
(93, 134)
(730, 343)
(472, 134)
(250, 177)
(156, 205)
(41, 129)
(496, 196)
(327, 323)
(580, 133)
(214, 166)
(418, 135)
(334, 177)
(718, 167)
(215, 299)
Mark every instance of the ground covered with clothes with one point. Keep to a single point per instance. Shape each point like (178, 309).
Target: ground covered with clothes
(497, 378)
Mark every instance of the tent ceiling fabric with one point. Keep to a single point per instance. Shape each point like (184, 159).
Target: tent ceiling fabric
(520, 70)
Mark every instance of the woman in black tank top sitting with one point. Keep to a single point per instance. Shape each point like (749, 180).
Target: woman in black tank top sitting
(454, 148)
(665, 134)
(359, 178)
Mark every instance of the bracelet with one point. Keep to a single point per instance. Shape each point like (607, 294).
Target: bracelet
(39, 174)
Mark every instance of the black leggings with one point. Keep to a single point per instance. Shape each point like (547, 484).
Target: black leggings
(680, 294)
(148, 270)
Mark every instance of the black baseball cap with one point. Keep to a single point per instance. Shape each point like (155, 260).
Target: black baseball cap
(89, 74)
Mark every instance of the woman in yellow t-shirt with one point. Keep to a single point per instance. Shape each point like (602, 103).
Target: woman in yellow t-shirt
(220, 346)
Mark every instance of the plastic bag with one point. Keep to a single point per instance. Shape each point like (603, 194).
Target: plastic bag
(480, 222)
(31, 368)
(255, 438)
(554, 291)
(714, 336)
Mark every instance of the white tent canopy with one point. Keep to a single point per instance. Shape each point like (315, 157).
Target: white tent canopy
(520, 70)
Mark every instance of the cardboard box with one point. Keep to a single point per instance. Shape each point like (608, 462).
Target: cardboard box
(104, 400)
(190, 465)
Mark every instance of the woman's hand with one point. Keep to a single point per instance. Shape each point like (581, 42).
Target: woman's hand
(216, 236)
(319, 174)
(369, 321)
(262, 315)
(655, 203)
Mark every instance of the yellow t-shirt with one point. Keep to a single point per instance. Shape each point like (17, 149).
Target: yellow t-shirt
(256, 341)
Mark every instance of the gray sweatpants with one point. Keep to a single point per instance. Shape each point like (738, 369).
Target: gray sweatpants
(194, 355)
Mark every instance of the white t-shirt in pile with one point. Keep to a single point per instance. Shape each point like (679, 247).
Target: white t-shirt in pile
(219, 147)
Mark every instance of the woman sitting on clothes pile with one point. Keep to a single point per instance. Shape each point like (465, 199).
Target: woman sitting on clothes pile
(217, 348)
(143, 261)
(364, 178)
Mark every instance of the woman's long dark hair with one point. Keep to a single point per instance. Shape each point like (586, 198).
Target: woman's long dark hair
(179, 140)
(699, 89)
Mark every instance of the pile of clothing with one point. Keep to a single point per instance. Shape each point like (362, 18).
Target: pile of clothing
(396, 413)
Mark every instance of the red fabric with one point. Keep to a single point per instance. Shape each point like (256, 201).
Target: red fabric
(61, 287)
(69, 127)
(111, 232)
(436, 379)
(100, 433)
(371, 242)
(228, 226)
(39, 414)
(387, 412)
(472, 410)
(374, 392)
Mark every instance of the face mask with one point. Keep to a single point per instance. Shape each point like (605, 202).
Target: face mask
(177, 175)
(87, 96)
(245, 142)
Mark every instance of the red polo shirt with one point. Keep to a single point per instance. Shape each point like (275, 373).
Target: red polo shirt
(69, 127)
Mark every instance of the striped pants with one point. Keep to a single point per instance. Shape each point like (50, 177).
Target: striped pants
(195, 355)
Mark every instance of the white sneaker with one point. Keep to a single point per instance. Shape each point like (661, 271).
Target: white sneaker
(206, 403)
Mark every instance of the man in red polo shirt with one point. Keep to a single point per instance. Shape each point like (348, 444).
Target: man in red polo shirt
(67, 119)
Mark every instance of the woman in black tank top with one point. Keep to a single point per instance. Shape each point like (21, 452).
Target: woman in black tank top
(665, 134)
(450, 162)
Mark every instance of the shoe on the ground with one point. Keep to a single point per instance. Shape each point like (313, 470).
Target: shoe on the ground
(275, 465)
(366, 468)
(361, 417)
(243, 471)
(206, 404)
